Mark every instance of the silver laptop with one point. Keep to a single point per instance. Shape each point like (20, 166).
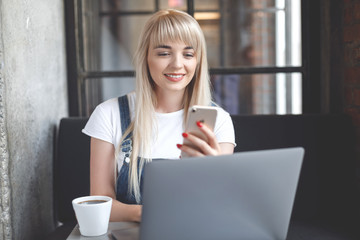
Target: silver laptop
(246, 195)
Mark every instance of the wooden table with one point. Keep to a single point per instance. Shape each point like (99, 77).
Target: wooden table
(129, 231)
(297, 231)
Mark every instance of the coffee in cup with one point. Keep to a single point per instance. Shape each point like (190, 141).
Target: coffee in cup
(90, 202)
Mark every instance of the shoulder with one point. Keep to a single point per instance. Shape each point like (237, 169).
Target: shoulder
(223, 119)
(108, 105)
(110, 108)
(224, 127)
(105, 123)
(221, 112)
(103, 120)
(107, 110)
(105, 113)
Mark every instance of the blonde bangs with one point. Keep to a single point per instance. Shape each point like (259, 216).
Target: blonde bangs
(174, 28)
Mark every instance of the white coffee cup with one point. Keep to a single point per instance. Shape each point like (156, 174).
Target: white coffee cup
(93, 214)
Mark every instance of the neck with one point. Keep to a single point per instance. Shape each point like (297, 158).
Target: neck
(169, 102)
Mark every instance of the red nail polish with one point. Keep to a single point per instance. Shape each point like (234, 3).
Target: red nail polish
(178, 145)
(200, 124)
(185, 135)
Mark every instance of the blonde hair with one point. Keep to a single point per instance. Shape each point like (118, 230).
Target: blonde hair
(163, 26)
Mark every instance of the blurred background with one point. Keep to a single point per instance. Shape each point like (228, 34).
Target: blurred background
(254, 51)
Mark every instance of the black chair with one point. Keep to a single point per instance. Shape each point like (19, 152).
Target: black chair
(71, 173)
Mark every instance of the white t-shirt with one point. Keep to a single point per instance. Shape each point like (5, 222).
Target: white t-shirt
(104, 124)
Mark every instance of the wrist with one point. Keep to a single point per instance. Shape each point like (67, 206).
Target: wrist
(137, 213)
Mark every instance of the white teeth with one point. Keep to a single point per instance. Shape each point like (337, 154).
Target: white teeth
(174, 76)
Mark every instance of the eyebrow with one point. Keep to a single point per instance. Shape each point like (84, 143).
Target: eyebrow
(169, 47)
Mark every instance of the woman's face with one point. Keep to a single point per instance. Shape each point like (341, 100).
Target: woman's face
(172, 66)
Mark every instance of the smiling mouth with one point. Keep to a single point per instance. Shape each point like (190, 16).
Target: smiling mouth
(175, 75)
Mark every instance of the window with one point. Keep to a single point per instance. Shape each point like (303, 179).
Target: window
(255, 51)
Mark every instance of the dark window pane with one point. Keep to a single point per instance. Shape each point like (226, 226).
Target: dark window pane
(259, 4)
(259, 93)
(98, 90)
(115, 87)
(113, 47)
(119, 39)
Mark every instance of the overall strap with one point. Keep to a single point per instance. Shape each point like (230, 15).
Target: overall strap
(124, 114)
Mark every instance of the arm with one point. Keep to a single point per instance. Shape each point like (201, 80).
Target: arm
(212, 147)
(102, 175)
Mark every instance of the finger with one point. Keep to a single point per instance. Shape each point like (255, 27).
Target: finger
(210, 135)
(199, 143)
(190, 151)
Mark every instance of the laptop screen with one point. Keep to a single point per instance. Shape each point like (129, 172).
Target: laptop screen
(246, 195)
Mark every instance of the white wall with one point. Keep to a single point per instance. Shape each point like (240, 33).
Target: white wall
(33, 99)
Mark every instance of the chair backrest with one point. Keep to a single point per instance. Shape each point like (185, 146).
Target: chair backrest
(71, 167)
(327, 181)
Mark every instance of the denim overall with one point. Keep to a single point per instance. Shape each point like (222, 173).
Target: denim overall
(122, 181)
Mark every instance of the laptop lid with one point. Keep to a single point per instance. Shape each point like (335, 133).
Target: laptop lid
(247, 195)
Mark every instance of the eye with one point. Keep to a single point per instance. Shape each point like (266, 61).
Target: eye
(189, 55)
(162, 54)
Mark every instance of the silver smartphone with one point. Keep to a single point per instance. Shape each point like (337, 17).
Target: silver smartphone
(204, 114)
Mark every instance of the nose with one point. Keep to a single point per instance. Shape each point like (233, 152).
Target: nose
(177, 61)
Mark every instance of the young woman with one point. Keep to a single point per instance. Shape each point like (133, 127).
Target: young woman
(148, 124)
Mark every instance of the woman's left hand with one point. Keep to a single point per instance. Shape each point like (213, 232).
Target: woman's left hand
(211, 147)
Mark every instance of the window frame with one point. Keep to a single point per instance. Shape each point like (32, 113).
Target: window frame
(309, 69)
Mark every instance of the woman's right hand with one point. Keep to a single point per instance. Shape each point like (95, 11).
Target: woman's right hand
(211, 147)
